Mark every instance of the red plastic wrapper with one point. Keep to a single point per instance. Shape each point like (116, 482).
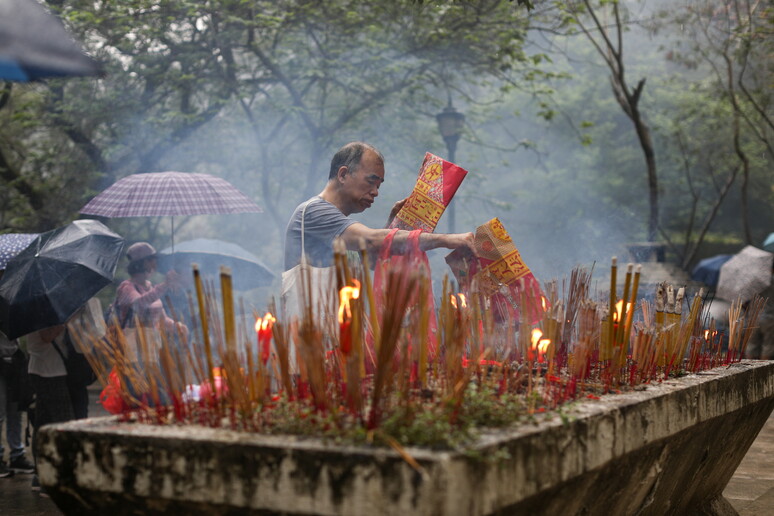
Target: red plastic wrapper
(500, 272)
(436, 185)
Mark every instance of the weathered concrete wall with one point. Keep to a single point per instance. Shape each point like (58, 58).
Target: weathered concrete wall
(669, 449)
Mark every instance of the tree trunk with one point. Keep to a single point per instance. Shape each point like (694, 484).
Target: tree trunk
(643, 135)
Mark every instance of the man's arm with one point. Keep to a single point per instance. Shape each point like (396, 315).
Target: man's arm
(375, 237)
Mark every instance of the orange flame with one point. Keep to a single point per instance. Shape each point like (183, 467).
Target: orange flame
(263, 329)
(536, 334)
(346, 294)
(618, 308)
(463, 300)
(543, 302)
(264, 323)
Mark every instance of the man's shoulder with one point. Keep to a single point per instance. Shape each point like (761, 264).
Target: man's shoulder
(317, 203)
(316, 208)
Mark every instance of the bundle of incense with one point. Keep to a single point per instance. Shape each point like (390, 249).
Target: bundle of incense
(500, 272)
(660, 293)
(673, 315)
(689, 327)
(631, 306)
(435, 187)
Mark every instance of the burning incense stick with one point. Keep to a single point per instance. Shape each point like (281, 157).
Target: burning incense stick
(203, 315)
(613, 302)
(630, 315)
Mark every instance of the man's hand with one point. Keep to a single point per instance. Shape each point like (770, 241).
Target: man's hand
(457, 240)
(394, 211)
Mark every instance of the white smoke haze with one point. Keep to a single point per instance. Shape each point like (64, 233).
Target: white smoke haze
(564, 203)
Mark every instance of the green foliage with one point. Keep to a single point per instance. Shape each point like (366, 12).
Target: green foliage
(435, 424)
(279, 84)
(263, 92)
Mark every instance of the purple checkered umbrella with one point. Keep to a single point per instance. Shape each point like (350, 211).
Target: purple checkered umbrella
(169, 194)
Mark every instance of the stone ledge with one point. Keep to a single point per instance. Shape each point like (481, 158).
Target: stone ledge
(654, 451)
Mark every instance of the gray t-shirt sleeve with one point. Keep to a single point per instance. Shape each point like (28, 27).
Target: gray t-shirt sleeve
(323, 222)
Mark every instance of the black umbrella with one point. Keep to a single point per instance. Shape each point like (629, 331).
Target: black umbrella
(247, 269)
(34, 44)
(59, 272)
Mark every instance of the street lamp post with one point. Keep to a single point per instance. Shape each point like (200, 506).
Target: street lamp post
(450, 124)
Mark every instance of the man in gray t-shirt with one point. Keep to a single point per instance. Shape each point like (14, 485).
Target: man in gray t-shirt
(356, 173)
(323, 222)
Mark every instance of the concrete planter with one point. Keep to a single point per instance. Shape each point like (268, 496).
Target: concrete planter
(669, 449)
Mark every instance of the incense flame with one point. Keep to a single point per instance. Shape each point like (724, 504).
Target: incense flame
(264, 323)
(619, 308)
(346, 294)
(463, 300)
(536, 334)
(540, 345)
(263, 329)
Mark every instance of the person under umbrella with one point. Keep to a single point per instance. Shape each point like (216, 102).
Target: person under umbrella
(137, 299)
(13, 364)
(138, 307)
(13, 368)
(48, 376)
(43, 287)
(56, 398)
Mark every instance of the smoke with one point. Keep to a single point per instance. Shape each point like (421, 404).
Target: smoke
(559, 204)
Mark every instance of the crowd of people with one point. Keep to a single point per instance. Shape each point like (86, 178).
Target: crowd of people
(38, 381)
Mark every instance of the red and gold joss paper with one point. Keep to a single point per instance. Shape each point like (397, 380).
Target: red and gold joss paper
(436, 185)
(499, 270)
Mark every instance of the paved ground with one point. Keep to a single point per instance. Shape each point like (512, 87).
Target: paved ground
(750, 491)
(16, 497)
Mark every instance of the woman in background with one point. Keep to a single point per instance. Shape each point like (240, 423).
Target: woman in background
(138, 298)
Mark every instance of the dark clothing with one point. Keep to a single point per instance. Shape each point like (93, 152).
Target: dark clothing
(52, 403)
(79, 396)
(323, 222)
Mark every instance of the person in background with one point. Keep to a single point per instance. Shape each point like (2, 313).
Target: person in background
(138, 300)
(49, 382)
(138, 297)
(9, 413)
